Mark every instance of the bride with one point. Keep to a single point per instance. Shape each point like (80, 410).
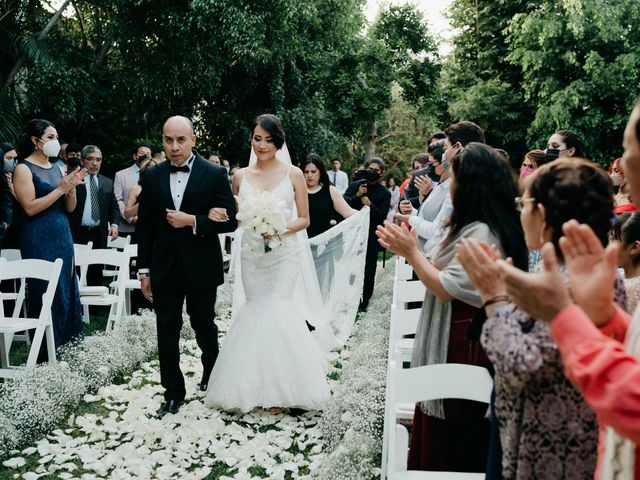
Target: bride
(269, 358)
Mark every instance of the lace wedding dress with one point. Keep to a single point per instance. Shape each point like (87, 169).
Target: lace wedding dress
(269, 358)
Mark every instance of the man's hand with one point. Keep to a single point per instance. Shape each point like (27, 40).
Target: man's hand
(218, 214)
(542, 295)
(145, 285)
(113, 232)
(362, 190)
(405, 207)
(365, 201)
(591, 270)
(179, 219)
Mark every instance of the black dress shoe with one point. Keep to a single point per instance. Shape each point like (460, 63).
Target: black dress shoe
(170, 406)
(203, 386)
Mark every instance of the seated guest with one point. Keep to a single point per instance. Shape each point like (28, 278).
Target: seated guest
(527, 363)
(453, 435)
(626, 230)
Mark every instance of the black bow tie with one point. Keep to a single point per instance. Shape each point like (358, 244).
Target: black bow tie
(175, 168)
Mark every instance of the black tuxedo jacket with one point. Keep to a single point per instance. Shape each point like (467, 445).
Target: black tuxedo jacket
(109, 211)
(160, 245)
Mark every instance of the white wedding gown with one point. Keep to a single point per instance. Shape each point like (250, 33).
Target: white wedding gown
(268, 357)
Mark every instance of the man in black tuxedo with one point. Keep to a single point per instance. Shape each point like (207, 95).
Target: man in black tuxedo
(179, 252)
(96, 212)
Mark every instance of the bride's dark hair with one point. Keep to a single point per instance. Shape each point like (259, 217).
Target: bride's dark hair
(273, 125)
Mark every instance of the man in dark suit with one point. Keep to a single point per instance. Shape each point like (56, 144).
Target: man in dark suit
(179, 254)
(96, 213)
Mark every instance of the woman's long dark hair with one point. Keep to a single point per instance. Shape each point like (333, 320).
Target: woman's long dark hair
(485, 191)
(573, 189)
(319, 164)
(35, 128)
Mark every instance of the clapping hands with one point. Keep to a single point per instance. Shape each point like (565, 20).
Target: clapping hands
(73, 179)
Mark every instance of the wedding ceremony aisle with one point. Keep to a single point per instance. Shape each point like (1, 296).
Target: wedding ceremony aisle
(92, 415)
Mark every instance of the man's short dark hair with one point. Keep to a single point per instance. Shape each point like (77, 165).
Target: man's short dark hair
(140, 145)
(439, 135)
(73, 147)
(377, 161)
(464, 132)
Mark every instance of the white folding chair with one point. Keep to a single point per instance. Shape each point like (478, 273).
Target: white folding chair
(99, 295)
(404, 271)
(16, 296)
(403, 324)
(120, 243)
(405, 292)
(131, 283)
(430, 382)
(30, 269)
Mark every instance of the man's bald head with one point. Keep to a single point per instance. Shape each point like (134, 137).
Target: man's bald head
(178, 139)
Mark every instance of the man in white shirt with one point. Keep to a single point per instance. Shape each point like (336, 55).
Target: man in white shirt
(125, 179)
(339, 179)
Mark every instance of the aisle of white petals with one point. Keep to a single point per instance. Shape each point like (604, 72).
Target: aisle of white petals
(119, 437)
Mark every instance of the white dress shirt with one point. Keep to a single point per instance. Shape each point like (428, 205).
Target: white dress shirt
(340, 180)
(178, 182)
(87, 221)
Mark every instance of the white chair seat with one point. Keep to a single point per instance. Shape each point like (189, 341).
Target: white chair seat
(95, 291)
(419, 475)
(12, 325)
(130, 283)
(405, 345)
(101, 301)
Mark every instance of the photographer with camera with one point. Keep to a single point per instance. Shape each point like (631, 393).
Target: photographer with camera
(125, 179)
(367, 190)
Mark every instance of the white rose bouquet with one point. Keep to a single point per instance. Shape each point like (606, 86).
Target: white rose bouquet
(265, 216)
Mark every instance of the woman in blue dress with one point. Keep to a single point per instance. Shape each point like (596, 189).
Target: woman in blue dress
(44, 196)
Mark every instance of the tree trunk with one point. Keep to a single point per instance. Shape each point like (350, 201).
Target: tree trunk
(372, 138)
(43, 34)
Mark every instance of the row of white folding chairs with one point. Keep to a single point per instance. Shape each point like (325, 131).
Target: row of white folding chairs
(17, 296)
(42, 325)
(414, 385)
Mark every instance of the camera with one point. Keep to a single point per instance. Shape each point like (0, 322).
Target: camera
(365, 176)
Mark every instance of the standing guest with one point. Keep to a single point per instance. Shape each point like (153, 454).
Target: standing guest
(597, 339)
(159, 156)
(214, 157)
(96, 213)
(564, 143)
(131, 206)
(394, 190)
(527, 362)
(411, 191)
(626, 230)
(338, 178)
(408, 190)
(6, 200)
(61, 162)
(179, 254)
(44, 197)
(622, 192)
(369, 192)
(124, 180)
(326, 204)
(10, 157)
(73, 153)
(453, 435)
(532, 160)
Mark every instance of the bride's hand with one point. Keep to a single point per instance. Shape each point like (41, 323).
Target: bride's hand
(218, 214)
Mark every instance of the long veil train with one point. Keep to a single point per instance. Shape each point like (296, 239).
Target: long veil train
(332, 274)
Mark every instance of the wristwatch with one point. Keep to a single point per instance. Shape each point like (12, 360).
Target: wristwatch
(142, 275)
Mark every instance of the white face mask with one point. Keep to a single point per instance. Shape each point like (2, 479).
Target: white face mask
(51, 148)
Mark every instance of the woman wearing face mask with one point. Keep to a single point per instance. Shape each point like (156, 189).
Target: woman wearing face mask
(564, 143)
(532, 160)
(44, 196)
(622, 196)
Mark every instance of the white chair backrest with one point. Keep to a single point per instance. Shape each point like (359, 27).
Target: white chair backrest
(11, 254)
(404, 271)
(132, 249)
(404, 322)
(81, 246)
(37, 269)
(413, 291)
(120, 242)
(441, 381)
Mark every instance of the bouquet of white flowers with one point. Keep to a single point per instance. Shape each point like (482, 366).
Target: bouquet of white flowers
(265, 216)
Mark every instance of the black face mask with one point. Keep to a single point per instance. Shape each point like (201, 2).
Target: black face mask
(431, 173)
(550, 154)
(373, 176)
